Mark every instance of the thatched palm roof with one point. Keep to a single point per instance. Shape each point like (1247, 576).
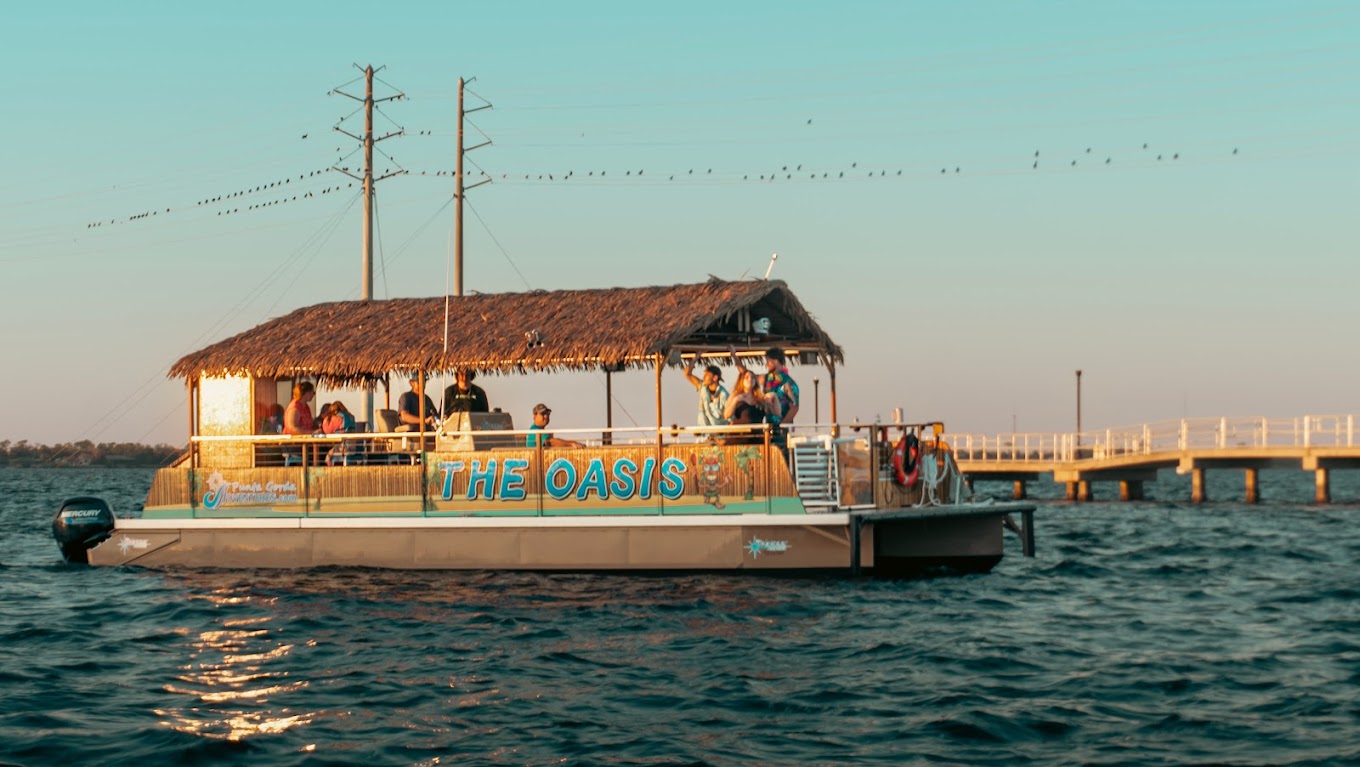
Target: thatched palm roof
(352, 342)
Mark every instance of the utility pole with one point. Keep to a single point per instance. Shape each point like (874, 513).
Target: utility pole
(459, 189)
(367, 140)
(1078, 408)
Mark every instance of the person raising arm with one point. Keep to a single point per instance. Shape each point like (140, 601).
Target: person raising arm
(712, 394)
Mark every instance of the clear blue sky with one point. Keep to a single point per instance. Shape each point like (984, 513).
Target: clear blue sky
(1219, 279)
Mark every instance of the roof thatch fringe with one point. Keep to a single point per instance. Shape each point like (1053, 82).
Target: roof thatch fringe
(354, 342)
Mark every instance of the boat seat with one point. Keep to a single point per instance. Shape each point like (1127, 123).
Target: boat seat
(388, 420)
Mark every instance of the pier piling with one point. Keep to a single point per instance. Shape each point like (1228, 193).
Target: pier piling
(1253, 494)
(1323, 494)
(1197, 492)
(1131, 490)
(1084, 491)
(1018, 492)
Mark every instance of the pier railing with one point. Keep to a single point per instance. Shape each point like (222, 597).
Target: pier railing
(1256, 432)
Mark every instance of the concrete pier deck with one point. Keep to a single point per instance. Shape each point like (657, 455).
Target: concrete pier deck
(1133, 455)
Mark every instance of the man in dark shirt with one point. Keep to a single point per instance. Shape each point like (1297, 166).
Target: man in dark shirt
(465, 396)
(408, 408)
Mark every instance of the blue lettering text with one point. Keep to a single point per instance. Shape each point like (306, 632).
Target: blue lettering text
(450, 468)
(563, 470)
(624, 485)
(672, 484)
(482, 481)
(593, 480)
(512, 479)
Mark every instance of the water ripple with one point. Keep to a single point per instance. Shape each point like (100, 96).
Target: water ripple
(1145, 633)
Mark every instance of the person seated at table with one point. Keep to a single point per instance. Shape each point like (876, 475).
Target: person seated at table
(465, 396)
(272, 423)
(297, 418)
(339, 420)
(541, 415)
(321, 416)
(408, 408)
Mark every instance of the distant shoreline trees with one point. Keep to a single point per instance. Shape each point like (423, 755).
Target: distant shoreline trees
(23, 454)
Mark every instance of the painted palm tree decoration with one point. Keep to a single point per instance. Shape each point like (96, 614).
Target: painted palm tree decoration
(744, 459)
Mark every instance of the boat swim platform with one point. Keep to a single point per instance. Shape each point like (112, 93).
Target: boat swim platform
(1133, 456)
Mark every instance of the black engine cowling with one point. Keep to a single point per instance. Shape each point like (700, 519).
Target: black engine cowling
(79, 525)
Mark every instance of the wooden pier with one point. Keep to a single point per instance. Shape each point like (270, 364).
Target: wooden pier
(1193, 446)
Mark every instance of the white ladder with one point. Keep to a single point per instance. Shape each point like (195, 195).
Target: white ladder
(815, 471)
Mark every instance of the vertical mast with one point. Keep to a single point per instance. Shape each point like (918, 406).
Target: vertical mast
(458, 214)
(460, 187)
(368, 140)
(368, 187)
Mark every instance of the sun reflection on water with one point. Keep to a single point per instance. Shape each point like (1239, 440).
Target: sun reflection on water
(234, 677)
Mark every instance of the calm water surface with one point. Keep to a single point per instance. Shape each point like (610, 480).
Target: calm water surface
(1146, 633)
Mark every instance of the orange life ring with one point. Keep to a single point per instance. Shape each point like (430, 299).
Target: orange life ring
(906, 467)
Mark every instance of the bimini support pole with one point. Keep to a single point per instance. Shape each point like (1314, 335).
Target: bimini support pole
(835, 423)
(608, 405)
(660, 361)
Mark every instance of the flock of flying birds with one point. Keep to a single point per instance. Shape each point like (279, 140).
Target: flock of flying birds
(785, 173)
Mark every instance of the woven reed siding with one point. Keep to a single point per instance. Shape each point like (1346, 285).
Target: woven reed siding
(226, 455)
(377, 482)
(169, 487)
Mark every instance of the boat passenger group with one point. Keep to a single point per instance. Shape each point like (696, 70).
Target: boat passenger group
(771, 397)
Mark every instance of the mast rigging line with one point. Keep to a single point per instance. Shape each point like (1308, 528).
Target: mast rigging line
(317, 250)
(382, 254)
(492, 235)
(115, 414)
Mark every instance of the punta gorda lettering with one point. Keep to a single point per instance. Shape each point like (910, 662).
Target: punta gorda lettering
(504, 480)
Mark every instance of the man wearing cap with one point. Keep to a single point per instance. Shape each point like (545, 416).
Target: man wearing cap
(541, 415)
(408, 407)
(712, 394)
(465, 396)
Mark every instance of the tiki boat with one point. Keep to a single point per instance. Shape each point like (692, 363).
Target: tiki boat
(471, 495)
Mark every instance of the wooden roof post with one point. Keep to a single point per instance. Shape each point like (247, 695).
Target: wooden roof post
(831, 371)
(660, 360)
(608, 405)
(193, 425)
(420, 377)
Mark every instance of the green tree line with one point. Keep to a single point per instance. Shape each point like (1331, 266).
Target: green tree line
(86, 453)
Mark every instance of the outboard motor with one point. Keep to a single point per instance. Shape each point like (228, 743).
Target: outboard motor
(80, 524)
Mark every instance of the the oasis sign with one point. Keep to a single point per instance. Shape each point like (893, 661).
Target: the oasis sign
(504, 480)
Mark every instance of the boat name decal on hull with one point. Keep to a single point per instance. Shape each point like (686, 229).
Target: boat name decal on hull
(504, 480)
